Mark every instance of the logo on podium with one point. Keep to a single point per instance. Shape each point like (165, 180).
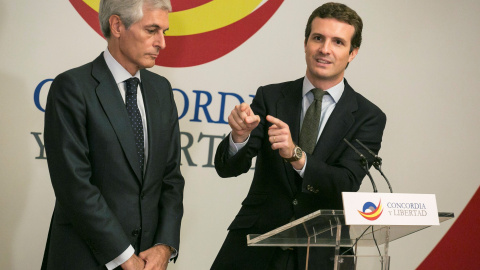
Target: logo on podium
(371, 211)
(392, 209)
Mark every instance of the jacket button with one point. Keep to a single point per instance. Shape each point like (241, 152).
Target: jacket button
(136, 232)
(295, 202)
(142, 195)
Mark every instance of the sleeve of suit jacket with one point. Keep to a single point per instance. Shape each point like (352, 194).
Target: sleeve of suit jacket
(67, 146)
(171, 197)
(242, 161)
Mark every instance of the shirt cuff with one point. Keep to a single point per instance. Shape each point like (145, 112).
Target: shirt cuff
(235, 147)
(301, 172)
(121, 258)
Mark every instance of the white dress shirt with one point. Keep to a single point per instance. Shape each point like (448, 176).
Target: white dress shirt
(120, 74)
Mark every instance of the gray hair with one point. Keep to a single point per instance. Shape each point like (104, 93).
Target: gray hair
(129, 11)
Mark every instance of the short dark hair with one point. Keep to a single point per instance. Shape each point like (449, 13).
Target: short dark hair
(341, 13)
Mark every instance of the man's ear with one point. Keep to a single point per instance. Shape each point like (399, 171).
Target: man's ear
(353, 54)
(116, 25)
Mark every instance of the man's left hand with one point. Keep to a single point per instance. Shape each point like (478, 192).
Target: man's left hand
(280, 137)
(156, 258)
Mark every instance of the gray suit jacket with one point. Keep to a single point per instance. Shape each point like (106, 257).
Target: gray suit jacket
(103, 201)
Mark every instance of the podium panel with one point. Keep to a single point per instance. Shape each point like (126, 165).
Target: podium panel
(363, 262)
(327, 228)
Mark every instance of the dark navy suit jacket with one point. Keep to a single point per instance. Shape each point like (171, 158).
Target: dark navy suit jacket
(277, 192)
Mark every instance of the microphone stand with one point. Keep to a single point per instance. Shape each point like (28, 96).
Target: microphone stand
(364, 163)
(377, 163)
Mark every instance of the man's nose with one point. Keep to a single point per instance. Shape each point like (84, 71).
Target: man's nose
(160, 41)
(325, 47)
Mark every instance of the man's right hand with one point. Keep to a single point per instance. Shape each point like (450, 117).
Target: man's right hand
(242, 120)
(134, 263)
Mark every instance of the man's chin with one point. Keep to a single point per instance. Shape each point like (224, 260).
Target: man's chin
(148, 64)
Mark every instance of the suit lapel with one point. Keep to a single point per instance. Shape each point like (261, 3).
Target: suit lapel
(154, 117)
(289, 107)
(114, 107)
(338, 124)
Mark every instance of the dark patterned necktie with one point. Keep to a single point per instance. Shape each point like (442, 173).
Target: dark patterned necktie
(131, 86)
(309, 132)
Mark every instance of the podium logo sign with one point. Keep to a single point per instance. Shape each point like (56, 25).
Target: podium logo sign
(200, 30)
(392, 209)
(371, 211)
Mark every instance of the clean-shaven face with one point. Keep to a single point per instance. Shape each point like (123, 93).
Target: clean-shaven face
(327, 50)
(140, 44)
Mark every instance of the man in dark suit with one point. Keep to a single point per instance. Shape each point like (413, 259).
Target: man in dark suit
(113, 146)
(302, 165)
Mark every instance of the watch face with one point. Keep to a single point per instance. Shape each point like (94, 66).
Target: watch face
(298, 152)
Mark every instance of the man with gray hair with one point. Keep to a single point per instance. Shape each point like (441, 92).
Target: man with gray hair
(113, 144)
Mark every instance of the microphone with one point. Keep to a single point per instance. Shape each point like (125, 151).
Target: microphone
(377, 163)
(364, 163)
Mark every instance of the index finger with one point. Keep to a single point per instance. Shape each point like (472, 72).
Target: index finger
(252, 119)
(244, 106)
(279, 123)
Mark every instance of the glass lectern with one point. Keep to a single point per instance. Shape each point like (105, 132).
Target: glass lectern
(327, 228)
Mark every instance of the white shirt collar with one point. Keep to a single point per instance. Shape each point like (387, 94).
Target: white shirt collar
(335, 91)
(120, 74)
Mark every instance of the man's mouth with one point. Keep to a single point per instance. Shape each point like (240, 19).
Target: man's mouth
(322, 61)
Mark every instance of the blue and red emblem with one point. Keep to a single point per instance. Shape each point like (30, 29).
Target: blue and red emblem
(371, 211)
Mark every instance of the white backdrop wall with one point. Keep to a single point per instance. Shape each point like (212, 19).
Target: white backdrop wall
(418, 62)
